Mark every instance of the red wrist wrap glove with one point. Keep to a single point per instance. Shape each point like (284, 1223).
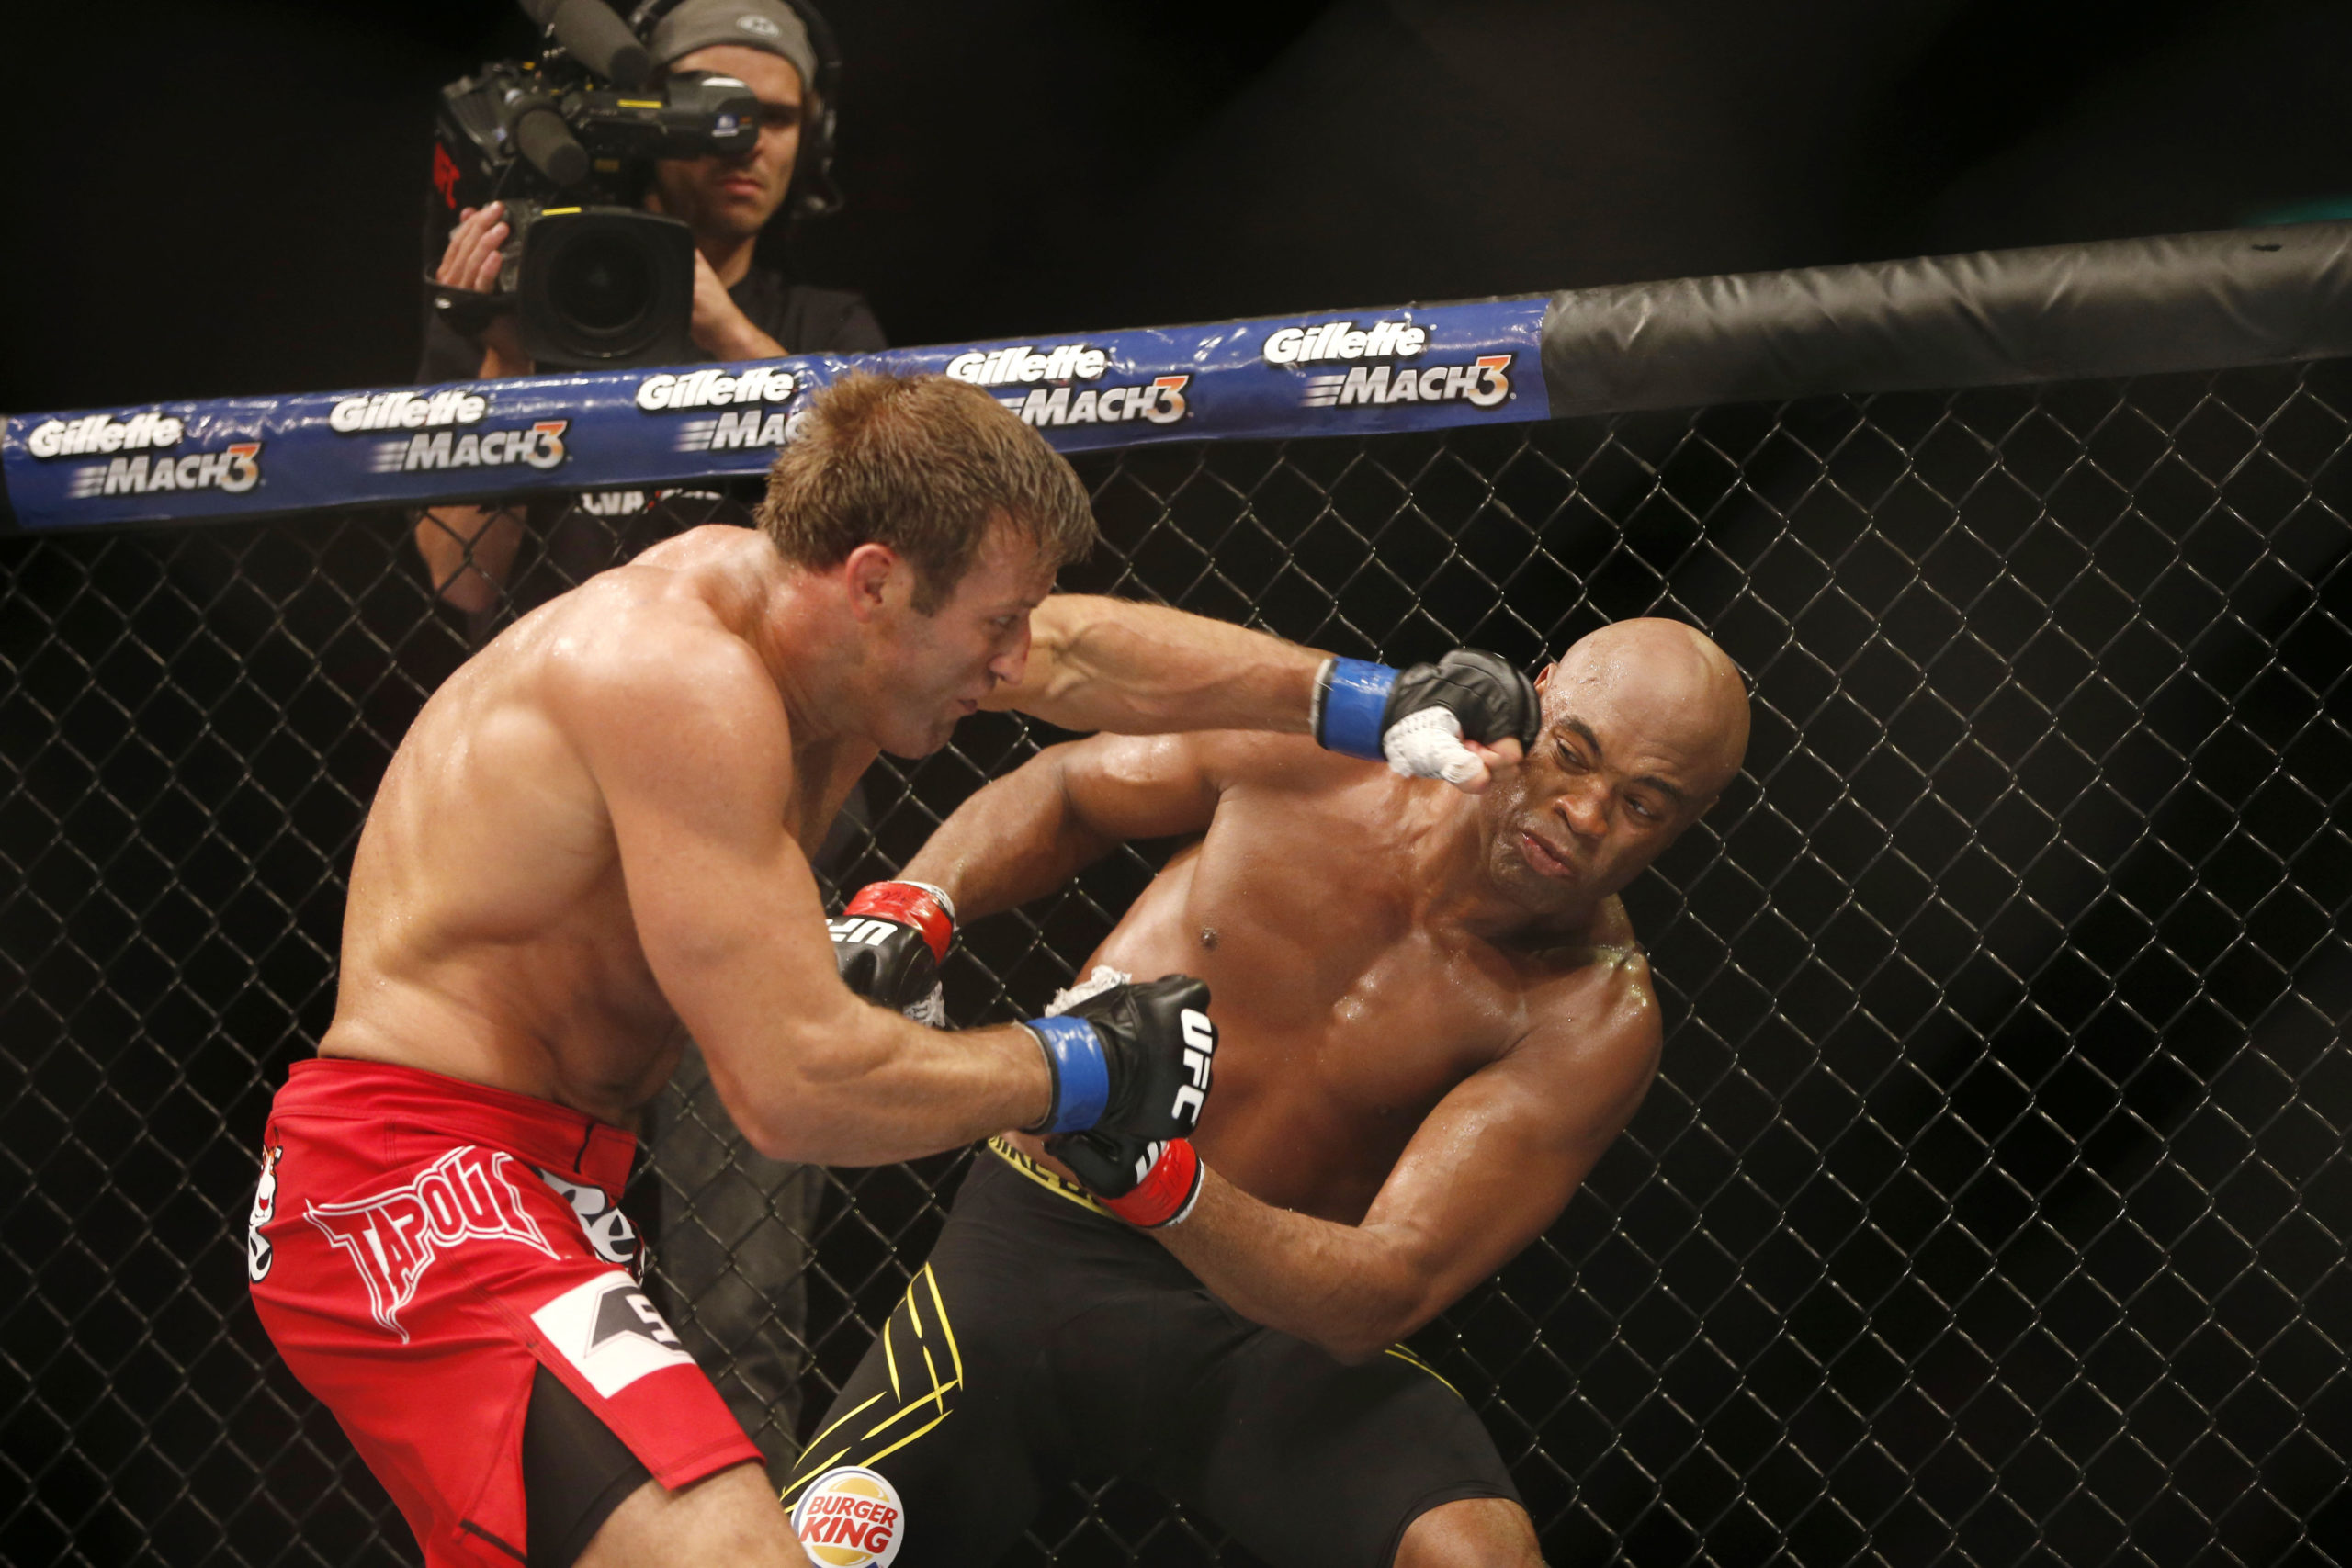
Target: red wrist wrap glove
(1165, 1195)
(910, 903)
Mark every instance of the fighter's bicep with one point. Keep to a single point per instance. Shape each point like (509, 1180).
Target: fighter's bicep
(1123, 787)
(1492, 1167)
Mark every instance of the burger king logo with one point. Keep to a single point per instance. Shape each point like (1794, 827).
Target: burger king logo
(850, 1517)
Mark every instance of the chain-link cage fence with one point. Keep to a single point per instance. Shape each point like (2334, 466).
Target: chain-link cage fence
(1991, 1203)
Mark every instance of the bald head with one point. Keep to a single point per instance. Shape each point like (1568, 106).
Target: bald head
(1687, 693)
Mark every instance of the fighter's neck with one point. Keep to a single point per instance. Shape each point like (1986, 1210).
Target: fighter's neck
(812, 650)
(795, 621)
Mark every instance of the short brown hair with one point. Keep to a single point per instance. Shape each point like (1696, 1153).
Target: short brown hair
(922, 465)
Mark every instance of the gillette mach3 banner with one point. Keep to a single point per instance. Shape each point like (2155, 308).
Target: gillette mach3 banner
(1335, 373)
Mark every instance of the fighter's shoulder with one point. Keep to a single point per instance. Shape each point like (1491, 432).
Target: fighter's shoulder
(1269, 760)
(628, 645)
(1596, 975)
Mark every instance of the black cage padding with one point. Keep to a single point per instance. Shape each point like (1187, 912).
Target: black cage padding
(1986, 319)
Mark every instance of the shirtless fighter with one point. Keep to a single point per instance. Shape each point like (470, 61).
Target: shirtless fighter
(591, 842)
(1434, 1017)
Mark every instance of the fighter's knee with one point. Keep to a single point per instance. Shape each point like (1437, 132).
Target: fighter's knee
(1472, 1532)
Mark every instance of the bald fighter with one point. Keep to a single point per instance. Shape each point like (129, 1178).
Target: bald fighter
(1434, 1018)
(592, 841)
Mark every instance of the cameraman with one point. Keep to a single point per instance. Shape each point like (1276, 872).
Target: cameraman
(733, 1226)
(741, 309)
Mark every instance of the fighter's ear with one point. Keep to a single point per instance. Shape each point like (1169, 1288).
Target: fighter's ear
(1544, 676)
(867, 574)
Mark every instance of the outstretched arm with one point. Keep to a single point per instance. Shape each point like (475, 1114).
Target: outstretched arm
(1026, 834)
(1488, 1172)
(1097, 663)
(1107, 664)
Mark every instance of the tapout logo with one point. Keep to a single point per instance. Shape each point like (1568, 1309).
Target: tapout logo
(851, 1518)
(391, 1238)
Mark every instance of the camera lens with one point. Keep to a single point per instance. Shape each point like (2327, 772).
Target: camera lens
(602, 284)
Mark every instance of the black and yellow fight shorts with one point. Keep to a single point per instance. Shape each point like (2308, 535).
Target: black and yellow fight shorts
(1045, 1341)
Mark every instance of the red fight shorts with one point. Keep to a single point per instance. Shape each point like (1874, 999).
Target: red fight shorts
(419, 1245)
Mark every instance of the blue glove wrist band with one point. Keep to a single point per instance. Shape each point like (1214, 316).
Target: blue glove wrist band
(1354, 695)
(1082, 1078)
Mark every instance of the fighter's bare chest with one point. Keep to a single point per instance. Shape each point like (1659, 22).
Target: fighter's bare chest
(1382, 1030)
(1336, 990)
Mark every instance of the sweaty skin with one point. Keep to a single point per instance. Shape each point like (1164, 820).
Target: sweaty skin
(1433, 1014)
(591, 841)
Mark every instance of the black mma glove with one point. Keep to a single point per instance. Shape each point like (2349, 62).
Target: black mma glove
(1133, 1060)
(889, 943)
(1146, 1184)
(1416, 719)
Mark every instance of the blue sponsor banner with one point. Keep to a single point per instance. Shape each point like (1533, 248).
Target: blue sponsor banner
(1408, 367)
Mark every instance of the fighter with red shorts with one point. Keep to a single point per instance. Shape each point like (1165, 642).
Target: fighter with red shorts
(589, 845)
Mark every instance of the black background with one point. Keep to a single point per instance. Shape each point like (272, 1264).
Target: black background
(2033, 1204)
(223, 198)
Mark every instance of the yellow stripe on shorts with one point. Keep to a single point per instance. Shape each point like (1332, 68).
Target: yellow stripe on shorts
(824, 1451)
(1053, 1181)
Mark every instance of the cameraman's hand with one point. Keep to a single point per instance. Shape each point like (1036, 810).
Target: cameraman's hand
(473, 261)
(472, 258)
(719, 326)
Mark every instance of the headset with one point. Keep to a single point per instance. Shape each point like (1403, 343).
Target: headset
(813, 194)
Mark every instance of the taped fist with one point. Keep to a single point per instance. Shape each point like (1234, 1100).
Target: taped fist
(1133, 1060)
(1417, 719)
(1146, 1184)
(888, 945)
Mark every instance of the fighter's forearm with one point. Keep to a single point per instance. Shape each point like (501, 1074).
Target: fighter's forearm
(1109, 664)
(875, 1089)
(1016, 839)
(1350, 1289)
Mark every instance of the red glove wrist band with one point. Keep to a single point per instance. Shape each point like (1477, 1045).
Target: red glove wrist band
(910, 903)
(1165, 1196)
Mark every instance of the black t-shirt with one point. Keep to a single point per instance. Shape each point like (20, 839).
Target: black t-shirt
(572, 537)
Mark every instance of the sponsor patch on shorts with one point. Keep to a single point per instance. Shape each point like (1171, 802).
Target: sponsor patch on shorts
(258, 1251)
(609, 1234)
(612, 1331)
(850, 1517)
